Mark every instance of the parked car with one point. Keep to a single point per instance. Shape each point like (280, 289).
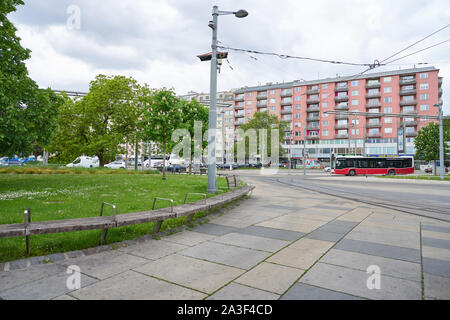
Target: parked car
(430, 170)
(84, 162)
(118, 164)
(176, 168)
(8, 162)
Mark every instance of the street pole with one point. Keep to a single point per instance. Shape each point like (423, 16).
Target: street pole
(364, 141)
(212, 180)
(304, 151)
(441, 143)
(349, 133)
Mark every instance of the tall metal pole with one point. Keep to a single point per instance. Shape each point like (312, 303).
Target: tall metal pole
(349, 134)
(212, 180)
(304, 151)
(364, 141)
(441, 143)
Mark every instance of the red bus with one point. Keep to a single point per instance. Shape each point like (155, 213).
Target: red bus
(352, 166)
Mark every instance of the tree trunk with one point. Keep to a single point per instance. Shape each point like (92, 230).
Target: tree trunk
(435, 166)
(190, 166)
(164, 162)
(101, 160)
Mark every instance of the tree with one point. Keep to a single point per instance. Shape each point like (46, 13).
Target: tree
(427, 143)
(100, 122)
(162, 114)
(262, 120)
(193, 111)
(27, 113)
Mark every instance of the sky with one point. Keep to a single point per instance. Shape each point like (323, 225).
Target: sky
(157, 42)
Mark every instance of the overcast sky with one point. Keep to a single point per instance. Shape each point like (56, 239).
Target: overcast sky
(157, 41)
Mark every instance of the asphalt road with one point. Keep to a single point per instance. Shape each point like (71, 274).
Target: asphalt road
(417, 197)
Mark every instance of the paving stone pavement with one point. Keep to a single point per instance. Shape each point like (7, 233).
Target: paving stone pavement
(282, 243)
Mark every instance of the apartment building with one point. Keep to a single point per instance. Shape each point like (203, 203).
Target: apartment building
(225, 121)
(303, 104)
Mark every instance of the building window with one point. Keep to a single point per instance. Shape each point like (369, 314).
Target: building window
(297, 89)
(387, 120)
(387, 89)
(355, 83)
(324, 104)
(249, 103)
(325, 115)
(324, 86)
(388, 110)
(298, 125)
(272, 100)
(297, 107)
(424, 76)
(424, 96)
(388, 100)
(325, 133)
(355, 102)
(325, 95)
(325, 123)
(424, 107)
(297, 116)
(355, 92)
(249, 111)
(387, 130)
(272, 109)
(297, 98)
(249, 95)
(424, 86)
(387, 79)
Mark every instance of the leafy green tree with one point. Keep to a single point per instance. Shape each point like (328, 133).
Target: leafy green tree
(100, 122)
(427, 143)
(193, 111)
(263, 120)
(162, 115)
(27, 113)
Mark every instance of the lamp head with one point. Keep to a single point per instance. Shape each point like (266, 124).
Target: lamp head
(241, 13)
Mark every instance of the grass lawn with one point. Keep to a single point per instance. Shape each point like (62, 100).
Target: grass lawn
(68, 196)
(429, 177)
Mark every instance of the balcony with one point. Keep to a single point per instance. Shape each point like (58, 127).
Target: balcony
(314, 118)
(408, 103)
(313, 109)
(313, 128)
(341, 88)
(286, 94)
(341, 126)
(312, 138)
(409, 112)
(373, 105)
(341, 136)
(312, 100)
(440, 92)
(261, 104)
(238, 107)
(375, 135)
(408, 92)
(286, 103)
(374, 125)
(408, 81)
(373, 95)
(341, 107)
(341, 116)
(374, 115)
(373, 85)
(313, 91)
(239, 115)
(341, 98)
(287, 111)
(238, 123)
(440, 81)
(239, 98)
(411, 134)
(409, 123)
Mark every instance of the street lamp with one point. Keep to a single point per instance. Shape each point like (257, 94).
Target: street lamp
(212, 180)
(441, 141)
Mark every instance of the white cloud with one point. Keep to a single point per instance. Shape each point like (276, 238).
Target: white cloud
(157, 41)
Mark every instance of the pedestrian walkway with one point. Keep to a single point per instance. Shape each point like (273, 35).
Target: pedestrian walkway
(282, 243)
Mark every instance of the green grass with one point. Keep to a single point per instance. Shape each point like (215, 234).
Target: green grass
(68, 196)
(447, 177)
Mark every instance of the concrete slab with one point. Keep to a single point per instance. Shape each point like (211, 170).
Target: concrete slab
(435, 228)
(333, 208)
(381, 250)
(302, 291)
(190, 272)
(302, 254)
(436, 235)
(214, 229)
(306, 226)
(390, 267)
(338, 226)
(65, 297)
(272, 233)
(239, 222)
(15, 278)
(131, 285)
(235, 291)
(436, 243)
(225, 254)
(436, 267)
(153, 249)
(303, 215)
(436, 253)
(44, 289)
(325, 236)
(188, 238)
(106, 264)
(385, 236)
(436, 287)
(354, 282)
(252, 242)
(270, 277)
(356, 215)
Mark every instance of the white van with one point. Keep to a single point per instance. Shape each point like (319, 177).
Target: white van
(84, 162)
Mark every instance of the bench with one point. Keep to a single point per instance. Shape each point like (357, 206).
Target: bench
(233, 182)
(104, 223)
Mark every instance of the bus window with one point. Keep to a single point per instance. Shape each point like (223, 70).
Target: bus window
(381, 164)
(407, 163)
(398, 164)
(363, 164)
(341, 164)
